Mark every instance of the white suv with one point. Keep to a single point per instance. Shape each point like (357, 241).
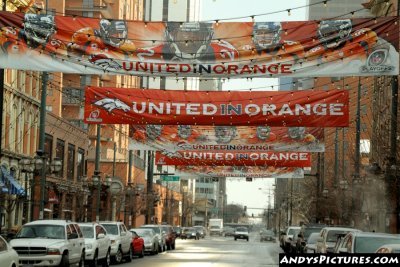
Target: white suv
(50, 243)
(97, 244)
(121, 241)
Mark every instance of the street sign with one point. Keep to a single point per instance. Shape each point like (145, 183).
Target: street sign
(169, 178)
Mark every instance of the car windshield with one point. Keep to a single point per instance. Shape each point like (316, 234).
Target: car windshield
(111, 229)
(87, 231)
(42, 231)
(369, 244)
(312, 239)
(156, 229)
(143, 232)
(267, 232)
(333, 235)
(309, 231)
(292, 231)
(241, 229)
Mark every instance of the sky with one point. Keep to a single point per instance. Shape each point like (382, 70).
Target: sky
(251, 194)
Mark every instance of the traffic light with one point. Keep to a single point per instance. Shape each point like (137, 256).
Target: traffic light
(245, 208)
(252, 215)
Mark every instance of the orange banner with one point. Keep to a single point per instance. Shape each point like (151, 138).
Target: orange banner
(240, 171)
(229, 138)
(328, 108)
(222, 158)
(326, 48)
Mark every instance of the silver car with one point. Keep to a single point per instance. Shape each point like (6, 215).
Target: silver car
(160, 234)
(151, 242)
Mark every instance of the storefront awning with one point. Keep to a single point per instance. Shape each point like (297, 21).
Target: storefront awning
(12, 185)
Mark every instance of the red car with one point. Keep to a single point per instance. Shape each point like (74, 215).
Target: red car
(137, 244)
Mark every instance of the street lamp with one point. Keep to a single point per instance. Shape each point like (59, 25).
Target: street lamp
(41, 164)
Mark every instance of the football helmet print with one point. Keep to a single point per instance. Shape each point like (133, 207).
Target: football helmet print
(297, 133)
(184, 131)
(189, 38)
(113, 32)
(263, 132)
(39, 28)
(266, 34)
(333, 33)
(224, 134)
(153, 131)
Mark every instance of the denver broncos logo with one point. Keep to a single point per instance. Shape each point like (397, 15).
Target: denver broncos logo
(110, 104)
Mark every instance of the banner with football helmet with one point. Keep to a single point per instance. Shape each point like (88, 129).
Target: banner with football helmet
(223, 158)
(311, 108)
(328, 48)
(261, 138)
(240, 171)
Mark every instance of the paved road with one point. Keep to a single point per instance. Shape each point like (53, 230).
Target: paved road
(215, 252)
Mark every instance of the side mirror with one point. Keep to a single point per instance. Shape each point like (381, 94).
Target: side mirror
(100, 236)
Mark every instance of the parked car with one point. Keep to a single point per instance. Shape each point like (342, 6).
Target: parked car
(8, 256)
(366, 242)
(389, 248)
(121, 241)
(50, 243)
(150, 239)
(311, 243)
(241, 233)
(97, 244)
(169, 236)
(189, 233)
(137, 244)
(307, 231)
(229, 231)
(295, 242)
(328, 237)
(285, 235)
(267, 235)
(162, 244)
(178, 231)
(202, 230)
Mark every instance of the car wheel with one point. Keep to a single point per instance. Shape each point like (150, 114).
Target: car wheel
(118, 257)
(64, 261)
(107, 260)
(141, 255)
(93, 263)
(235, 238)
(247, 240)
(130, 254)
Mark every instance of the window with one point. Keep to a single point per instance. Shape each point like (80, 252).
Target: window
(70, 162)
(48, 146)
(49, 108)
(81, 163)
(60, 149)
(3, 245)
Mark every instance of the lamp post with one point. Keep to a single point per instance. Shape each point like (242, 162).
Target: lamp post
(26, 167)
(343, 184)
(97, 182)
(41, 164)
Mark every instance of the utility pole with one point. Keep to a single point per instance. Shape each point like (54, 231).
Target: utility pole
(97, 172)
(132, 189)
(356, 175)
(335, 179)
(150, 197)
